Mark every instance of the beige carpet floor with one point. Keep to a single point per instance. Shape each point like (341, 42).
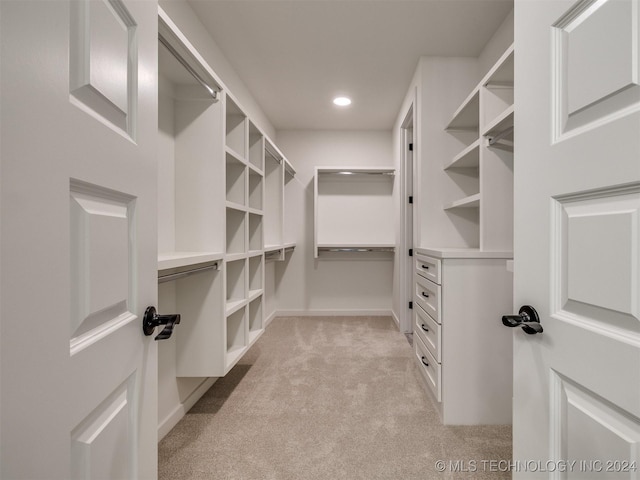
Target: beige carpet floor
(324, 398)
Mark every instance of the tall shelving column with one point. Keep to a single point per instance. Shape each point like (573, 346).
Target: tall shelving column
(190, 197)
(464, 171)
(496, 155)
(236, 233)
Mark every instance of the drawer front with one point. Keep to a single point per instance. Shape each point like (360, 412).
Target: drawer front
(430, 369)
(429, 332)
(429, 268)
(428, 295)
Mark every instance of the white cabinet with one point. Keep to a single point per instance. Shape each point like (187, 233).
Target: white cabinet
(462, 350)
(353, 209)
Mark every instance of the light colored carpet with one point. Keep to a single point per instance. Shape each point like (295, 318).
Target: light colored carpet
(323, 398)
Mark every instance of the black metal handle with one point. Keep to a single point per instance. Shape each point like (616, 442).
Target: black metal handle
(423, 362)
(424, 328)
(152, 320)
(426, 267)
(425, 294)
(527, 318)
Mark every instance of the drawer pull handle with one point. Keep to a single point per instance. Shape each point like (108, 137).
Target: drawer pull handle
(424, 328)
(423, 362)
(425, 294)
(426, 267)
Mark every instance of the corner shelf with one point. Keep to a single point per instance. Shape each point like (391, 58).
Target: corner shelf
(468, 158)
(472, 201)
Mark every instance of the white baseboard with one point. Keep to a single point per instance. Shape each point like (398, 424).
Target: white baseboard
(330, 313)
(180, 411)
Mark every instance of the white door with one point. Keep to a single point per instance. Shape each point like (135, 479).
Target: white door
(577, 238)
(78, 262)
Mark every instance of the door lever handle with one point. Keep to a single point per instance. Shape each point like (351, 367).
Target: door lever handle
(152, 320)
(527, 318)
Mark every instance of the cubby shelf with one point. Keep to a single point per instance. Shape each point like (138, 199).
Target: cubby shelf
(472, 201)
(468, 158)
(466, 116)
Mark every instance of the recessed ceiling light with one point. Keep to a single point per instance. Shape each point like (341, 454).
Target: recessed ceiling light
(342, 101)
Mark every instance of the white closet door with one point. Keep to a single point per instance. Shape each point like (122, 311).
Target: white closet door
(577, 231)
(79, 264)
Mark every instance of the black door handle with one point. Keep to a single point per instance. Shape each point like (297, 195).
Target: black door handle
(152, 320)
(527, 318)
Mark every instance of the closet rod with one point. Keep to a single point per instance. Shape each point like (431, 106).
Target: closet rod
(500, 135)
(272, 153)
(356, 249)
(355, 172)
(289, 249)
(213, 92)
(176, 276)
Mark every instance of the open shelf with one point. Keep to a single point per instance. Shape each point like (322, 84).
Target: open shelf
(256, 189)
(255, 233)
(500, 123)
(236, 224)
(468, 158)
(236, 340)
(353, 207)
(467, 115)
(255, 319)
(235, 180)
(235, 128)
(273, 197)
(472, 201)
(170, 260)
(236, 289)
(255, 275)
(256, 147)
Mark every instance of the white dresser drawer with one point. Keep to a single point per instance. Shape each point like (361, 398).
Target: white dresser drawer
(429, 332)
(428, 295)
(429, 268)
(430, 369)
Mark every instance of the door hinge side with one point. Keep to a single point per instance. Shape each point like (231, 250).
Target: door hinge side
(411, 252)
(410, 305)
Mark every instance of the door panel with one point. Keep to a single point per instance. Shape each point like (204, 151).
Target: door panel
(577, 235)
(78, 241)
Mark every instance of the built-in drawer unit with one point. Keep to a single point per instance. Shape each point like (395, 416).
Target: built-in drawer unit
(429, 268)
(428, 295)
(430, 369)
(429, 332)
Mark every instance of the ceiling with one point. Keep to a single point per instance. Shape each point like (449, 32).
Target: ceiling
(295, 56)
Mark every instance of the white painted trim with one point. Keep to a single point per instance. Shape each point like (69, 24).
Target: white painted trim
(396, 319)
(333, 313)
(270, 318)
(180, 411)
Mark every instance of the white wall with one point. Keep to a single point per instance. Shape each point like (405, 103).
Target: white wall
(338, 283)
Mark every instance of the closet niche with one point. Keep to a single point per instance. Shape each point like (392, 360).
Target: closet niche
(211, 217)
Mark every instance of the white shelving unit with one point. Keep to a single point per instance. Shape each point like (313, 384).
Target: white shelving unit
(353, 209)
(219, 201)
(482, 172)
(461, 288)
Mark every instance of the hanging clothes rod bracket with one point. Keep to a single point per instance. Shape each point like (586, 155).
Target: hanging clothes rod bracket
(500, 135)
(179, 275)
